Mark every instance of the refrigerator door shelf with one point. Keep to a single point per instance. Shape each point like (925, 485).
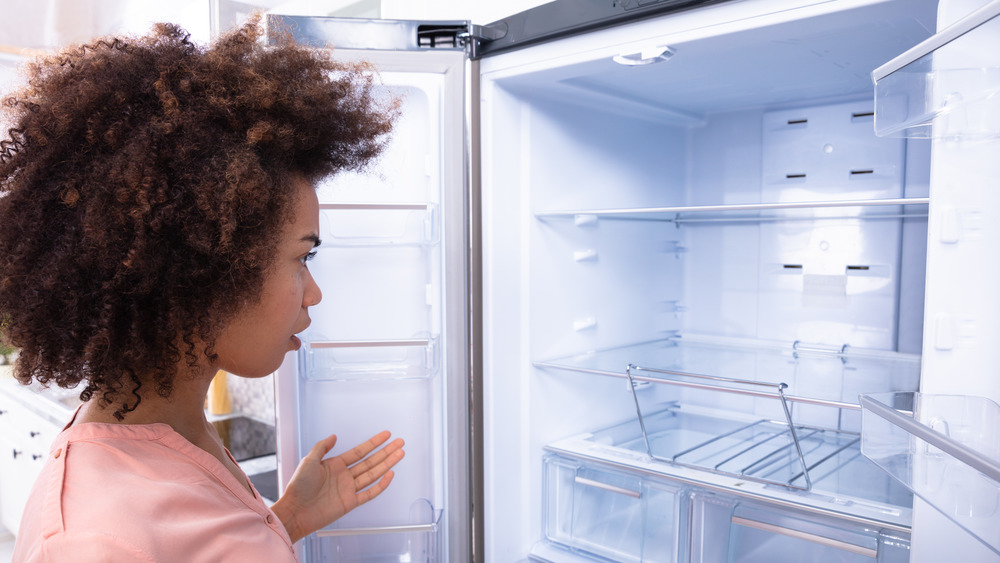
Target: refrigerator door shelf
(370, 359)
(945, 449)
(948, 86)
(413, 543)
(701, 446)
(369, 224)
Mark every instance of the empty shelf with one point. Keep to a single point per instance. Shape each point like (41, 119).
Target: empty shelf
(688, 363)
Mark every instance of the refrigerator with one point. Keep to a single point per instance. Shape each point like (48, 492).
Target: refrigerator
(696, 280)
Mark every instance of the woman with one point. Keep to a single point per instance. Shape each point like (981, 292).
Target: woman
(156, 218)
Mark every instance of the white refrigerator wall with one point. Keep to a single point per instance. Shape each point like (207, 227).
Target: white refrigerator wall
(566, 128)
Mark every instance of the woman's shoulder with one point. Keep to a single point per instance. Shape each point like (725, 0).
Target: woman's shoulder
(82, 546)
(140, 487)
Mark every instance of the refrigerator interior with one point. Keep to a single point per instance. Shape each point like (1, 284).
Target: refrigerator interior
(724, 212)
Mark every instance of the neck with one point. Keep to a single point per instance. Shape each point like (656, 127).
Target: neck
(183, 410)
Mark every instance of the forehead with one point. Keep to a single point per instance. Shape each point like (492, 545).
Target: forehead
(305, 205)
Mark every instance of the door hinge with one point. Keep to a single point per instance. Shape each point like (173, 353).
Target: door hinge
(474, 36)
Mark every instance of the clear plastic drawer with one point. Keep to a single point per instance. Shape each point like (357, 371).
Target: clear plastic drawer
(611, 514)
(727, 529)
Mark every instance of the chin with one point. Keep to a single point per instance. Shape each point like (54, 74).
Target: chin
(257, 371)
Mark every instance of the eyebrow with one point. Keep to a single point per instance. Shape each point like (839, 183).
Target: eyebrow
(312, 238)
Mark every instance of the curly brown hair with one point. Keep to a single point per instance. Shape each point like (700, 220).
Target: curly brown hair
(144, 184)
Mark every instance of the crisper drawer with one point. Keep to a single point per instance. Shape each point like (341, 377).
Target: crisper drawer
(612, 515)
(725, 529)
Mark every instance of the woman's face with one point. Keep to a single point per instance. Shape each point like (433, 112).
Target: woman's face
(255, 342)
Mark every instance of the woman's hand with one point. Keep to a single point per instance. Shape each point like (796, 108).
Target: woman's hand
(323, 490)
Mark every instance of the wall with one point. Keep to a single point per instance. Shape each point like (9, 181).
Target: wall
(253, 397)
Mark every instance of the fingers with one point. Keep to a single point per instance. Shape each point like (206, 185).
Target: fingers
(377, 465)
(376, 489)
(360, 451)
(377, 457)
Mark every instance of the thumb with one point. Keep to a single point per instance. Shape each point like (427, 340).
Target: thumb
(323, 447)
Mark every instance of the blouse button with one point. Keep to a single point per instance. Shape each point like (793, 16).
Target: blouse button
(58, 453)
(270, 519)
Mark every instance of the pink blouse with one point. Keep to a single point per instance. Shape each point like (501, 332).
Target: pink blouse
(115, 492)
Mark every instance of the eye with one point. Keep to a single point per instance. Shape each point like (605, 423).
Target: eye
(309, 256)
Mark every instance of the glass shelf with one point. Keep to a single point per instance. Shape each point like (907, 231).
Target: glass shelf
(713, 365)
(777, 211)
(944, 448)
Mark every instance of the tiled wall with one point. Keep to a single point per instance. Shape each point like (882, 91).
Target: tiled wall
(253, 397)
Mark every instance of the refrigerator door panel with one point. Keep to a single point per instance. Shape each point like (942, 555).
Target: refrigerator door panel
(388, 347)
(946, 89)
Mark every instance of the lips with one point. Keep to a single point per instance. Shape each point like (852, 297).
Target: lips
(296, 341)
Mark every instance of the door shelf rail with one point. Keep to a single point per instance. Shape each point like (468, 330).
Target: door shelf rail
(943, 448)
(419, 541)
(391, 224)
(774, 211)
(381, 359)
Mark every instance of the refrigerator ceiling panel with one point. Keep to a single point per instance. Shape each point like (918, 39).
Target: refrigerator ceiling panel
(778, 62)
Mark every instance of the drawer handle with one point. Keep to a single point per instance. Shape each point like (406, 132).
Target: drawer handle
(17, 453)
(607, 487)
(837, 544)
(34, 433)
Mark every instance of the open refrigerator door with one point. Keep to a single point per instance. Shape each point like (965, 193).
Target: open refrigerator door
(941, 443)
(388, 346)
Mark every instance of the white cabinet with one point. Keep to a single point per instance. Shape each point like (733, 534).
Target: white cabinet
(25, 437)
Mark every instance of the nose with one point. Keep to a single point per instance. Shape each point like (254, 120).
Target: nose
(312, 294)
